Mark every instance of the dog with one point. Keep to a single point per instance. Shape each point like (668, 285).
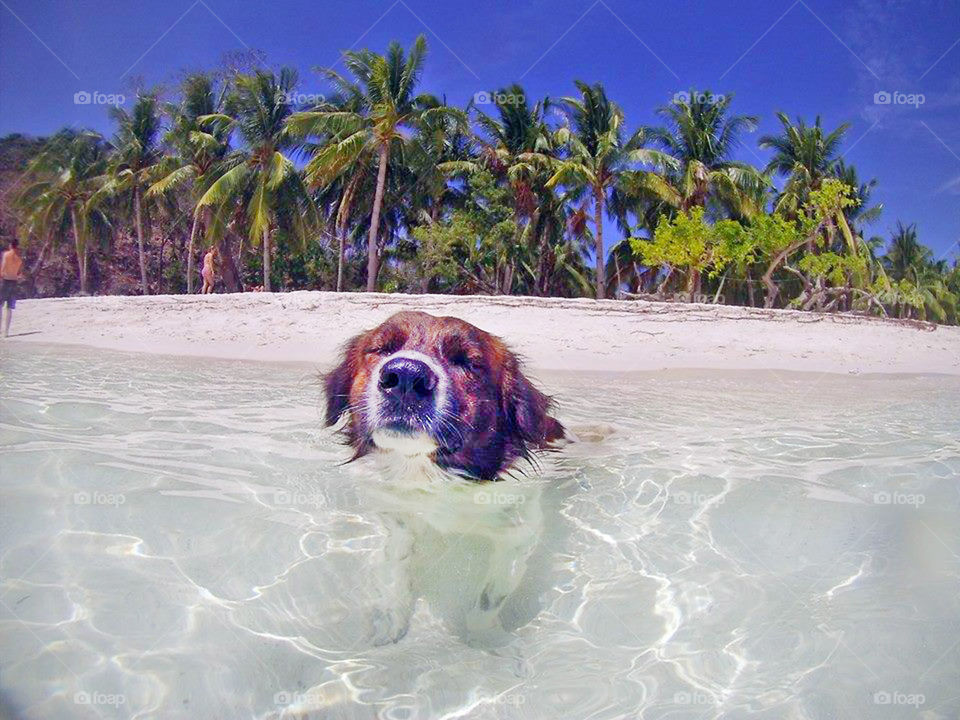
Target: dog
(446, 410)
(440, 388)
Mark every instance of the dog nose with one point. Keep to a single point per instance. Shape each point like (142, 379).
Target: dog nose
(406, 377)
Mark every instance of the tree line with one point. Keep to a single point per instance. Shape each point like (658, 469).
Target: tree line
(381, 186)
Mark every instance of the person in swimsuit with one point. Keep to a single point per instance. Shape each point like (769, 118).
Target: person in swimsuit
(11, 272)
(207, 271)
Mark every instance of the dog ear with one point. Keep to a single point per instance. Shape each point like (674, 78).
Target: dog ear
(528, 409)
(337, 384)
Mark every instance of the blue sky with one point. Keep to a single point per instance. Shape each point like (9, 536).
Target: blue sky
(805, 57)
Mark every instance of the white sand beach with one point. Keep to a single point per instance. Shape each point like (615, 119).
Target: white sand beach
(550, 333)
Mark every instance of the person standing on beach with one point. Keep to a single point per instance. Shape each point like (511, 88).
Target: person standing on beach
(11, 272)
(207, 271)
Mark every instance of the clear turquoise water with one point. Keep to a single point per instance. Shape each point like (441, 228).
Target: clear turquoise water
(178, 540)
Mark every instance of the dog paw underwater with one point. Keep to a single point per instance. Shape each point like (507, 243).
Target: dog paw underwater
(451, 438)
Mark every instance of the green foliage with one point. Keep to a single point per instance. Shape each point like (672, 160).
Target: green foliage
(297, 266)
(58, 194)
(510, 199)
(470, 249)
(688, 242)
(833, 268)
(769, 234)
(805, 155)
(832, 195)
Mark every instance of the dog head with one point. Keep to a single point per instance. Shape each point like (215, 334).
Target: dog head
(440, 387)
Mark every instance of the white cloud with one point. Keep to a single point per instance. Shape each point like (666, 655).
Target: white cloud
(951, 187)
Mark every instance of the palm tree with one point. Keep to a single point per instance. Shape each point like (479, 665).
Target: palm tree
(598, 156)
(696, 167)
(441, 143)
(701, 136)
(940, 302)
(260, 183)
(382, 110)
(62, 181)
(906, 256)
(338, 185)
(862, 213)
(519, 148)
(201, 148)
(623, 266)
(806, 155)
(136, 153)
(342, 196)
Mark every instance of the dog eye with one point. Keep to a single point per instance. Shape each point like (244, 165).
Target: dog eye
(386, 348)
(461, 359)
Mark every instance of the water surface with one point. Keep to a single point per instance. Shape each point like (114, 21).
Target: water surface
(179, 540)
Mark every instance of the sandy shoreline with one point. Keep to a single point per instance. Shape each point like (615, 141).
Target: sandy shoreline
(550, 333)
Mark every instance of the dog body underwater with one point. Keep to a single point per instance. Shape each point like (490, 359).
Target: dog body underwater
(442, 407)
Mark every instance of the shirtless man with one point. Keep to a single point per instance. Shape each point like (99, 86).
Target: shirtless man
(208, 269)
(11, 272)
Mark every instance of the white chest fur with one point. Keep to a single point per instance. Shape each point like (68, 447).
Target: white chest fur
(460, 544)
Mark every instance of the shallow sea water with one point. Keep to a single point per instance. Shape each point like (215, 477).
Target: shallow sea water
(178, 539)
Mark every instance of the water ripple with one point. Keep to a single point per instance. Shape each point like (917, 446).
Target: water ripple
(179, 537)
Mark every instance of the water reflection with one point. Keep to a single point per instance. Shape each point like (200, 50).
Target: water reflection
(179, 537)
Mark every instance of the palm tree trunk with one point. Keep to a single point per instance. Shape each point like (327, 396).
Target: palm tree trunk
(543, 249)
(373, 260)
(616, 260)
(343, 218)
(694, 283)
(193, 235)
(500, 281)
(266, 260)
(541, 284)
(340, 256)
(140, 248)
(598, 222)
(38, 263)
(163, 245)
(231, 276)
(81, 248)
